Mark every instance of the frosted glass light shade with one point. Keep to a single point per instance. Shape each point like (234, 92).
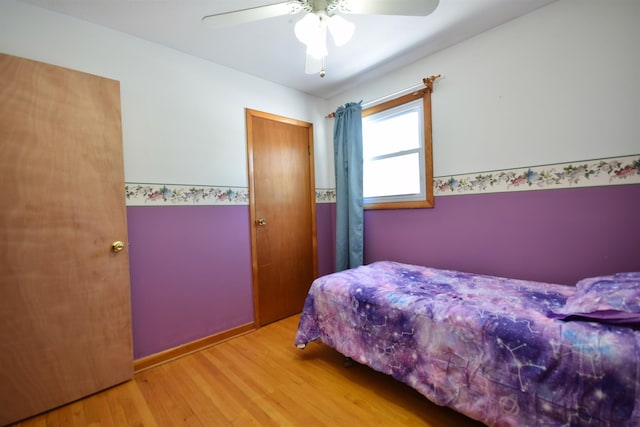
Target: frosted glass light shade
(312, 31)
(341, 30)
(306, 28)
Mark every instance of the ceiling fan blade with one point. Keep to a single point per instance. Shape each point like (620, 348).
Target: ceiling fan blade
(227, 19)
(396, 7)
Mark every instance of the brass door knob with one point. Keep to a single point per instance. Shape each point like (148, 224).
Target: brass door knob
(117, 246)
(261, 222)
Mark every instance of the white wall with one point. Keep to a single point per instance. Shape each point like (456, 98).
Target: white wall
(183, 118)
(557, 85)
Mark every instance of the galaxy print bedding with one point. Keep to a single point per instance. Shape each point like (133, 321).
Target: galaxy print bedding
(492, 348)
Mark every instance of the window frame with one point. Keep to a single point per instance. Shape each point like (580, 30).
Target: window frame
(428, 202)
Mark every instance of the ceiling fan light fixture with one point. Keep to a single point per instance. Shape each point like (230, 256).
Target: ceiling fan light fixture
(317, 50)
(308, 28)
(312, 31)
(341, 30)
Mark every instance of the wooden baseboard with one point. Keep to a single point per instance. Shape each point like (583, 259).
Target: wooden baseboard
(165, 356)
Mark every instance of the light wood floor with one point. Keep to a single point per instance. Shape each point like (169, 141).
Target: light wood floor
(259, 379)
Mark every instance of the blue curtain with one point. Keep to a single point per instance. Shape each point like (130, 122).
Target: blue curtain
(347, 146)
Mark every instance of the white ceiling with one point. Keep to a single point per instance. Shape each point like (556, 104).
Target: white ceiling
(269, 49)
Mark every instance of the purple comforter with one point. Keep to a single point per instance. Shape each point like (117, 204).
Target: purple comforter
(479, 344)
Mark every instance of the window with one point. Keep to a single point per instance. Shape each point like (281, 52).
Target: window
(396, 138)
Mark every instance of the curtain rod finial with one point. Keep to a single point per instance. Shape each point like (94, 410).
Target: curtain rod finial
(428, 82)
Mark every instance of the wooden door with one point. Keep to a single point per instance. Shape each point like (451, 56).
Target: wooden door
(282, 211)
(65, 328)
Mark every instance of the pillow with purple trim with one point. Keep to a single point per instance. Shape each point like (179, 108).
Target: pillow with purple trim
(606, 299)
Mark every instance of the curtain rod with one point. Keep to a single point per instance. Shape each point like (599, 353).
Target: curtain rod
(426, 82)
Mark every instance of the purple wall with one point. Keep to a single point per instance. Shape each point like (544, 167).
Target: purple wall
(548, 235)
(190, 273)
(326, 231)
(191, 265)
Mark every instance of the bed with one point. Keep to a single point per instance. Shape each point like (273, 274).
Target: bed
(502, 351)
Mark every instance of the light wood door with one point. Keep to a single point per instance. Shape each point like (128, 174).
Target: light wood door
(282, 211)
(65, 328)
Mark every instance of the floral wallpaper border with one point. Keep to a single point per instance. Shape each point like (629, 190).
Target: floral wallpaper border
(588, 173)
(325, 195)
(180, 195)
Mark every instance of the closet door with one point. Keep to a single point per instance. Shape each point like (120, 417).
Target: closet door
(65, 321)
(283, 213)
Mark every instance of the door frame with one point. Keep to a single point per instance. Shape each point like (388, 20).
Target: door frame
(250, 114)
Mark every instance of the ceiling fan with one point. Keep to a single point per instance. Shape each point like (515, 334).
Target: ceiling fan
(320, 17)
